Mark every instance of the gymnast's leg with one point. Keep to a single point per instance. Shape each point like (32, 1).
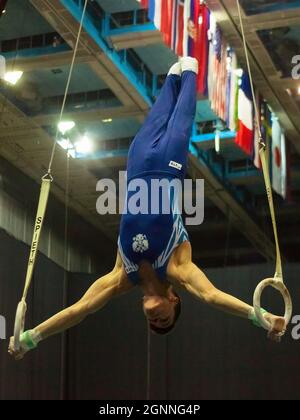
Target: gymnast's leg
(175, 144)
(155, 125)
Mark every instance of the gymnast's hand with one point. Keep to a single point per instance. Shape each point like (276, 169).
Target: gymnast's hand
(28, 341)
(278, 327)
(16, 354)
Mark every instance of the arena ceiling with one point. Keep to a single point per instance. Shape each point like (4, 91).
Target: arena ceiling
(109, 102)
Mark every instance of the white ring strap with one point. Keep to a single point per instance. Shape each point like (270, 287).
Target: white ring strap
(277, 281)
(43, 200)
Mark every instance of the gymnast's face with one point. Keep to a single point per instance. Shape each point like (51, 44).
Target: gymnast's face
(160, 310)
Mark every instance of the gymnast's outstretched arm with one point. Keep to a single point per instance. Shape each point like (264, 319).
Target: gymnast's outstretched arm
(113, 284)
(188, 275)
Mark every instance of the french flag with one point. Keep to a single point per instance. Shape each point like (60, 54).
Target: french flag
(245, 134)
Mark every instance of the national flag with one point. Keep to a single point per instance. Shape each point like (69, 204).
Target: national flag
(144, 3)
(219, 69)
(155, 12)
(180, 28)
(256, 156)
(233, 92)
(174, 24)
(279, 160)
(211, 57)
(200, 43)
(186, 27)
(166, 26)
(245, 134)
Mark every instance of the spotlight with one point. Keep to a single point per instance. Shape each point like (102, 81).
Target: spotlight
(12, 77)
(65, 144)
(84, 145)
(107, 120)
(65, 126)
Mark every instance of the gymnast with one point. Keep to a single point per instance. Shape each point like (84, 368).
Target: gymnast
(154, 251)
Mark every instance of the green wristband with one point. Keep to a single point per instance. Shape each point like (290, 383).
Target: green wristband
(254, 319)
(27, 340)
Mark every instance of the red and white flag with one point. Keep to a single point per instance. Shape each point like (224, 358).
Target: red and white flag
(279, 159)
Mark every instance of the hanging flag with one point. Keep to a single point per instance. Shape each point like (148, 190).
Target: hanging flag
(279, 161)
(155, 12)
(186, 27)
(256, 157)
(174, 34)
(200, 44)
(245, 134)
(166, 26)
(144, 3)
(219, 70)
(232, 92)
(180, 28)
(211, 56)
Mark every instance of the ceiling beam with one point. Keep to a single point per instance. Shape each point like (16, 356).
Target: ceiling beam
(92, 115)
(65, 24)
(273, 20)
(49, 61)
(126, 40)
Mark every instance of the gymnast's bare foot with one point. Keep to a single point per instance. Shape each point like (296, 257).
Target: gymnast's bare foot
(278, 327)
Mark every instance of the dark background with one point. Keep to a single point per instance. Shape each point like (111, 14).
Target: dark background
(209, 356)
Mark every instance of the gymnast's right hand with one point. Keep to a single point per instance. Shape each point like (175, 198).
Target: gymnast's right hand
(28, 341)
(17, 354)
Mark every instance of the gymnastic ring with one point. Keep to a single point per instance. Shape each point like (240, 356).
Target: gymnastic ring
(19, 323)
(280, 286)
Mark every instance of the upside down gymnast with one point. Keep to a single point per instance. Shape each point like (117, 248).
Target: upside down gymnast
(154, 251)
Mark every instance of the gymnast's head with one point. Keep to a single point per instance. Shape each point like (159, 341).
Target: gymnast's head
(161, 304)
(162, 312)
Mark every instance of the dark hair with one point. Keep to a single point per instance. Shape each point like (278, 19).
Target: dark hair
(163, 331)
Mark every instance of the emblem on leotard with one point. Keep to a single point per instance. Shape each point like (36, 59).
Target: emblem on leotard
(140, 243)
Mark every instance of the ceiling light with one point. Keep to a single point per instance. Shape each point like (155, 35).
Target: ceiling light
(107, 120)
(13, 77)
(65, 144)
(72, 153)
(84, 145)
(65, 126)
(288, 91)
(217, 141)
